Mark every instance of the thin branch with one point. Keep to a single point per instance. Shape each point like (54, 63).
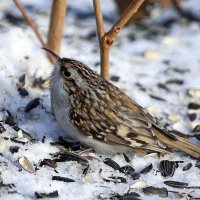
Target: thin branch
(126, 15)
(104, 51)
(29, 22)
(32, 25)
(107, 39)
(99, 19)
(58, 12)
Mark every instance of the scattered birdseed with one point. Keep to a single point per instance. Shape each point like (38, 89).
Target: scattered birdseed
(147, 169)
(127, 170)
(64, 179)
(167, 168)
(187, 167)
(176, 184)
(111, 163)
(2, 129)
(14, 149)
(69, 156)
(26, 164)
(161, 192)
(49, 163)
(40, 195)
(23, 92)
(32, 104)
(127, 159)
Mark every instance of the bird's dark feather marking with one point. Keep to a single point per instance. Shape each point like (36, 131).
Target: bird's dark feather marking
(132, 135)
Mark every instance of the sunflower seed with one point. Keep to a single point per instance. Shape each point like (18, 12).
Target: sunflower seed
(26, 164)
(176, 184)
(69, 156)
(116, 179)
(175, 82)
(114, 78)
(60, 178)
(23, 92)
(40, 195)
(14, 149)
(10, 121)
(127, 159)
(22, 79)
(127, 170)
(32, 104)
(111, 163)
(156, 97)
(135, 176)
(197, 164)
(2, 129)
(196, 128)
(187, 167)
(49, 163)
(7, 186)
(167, 168)
(18, 140)
(147, 169)
(161, 192)
(86, 170)
(193, 106)
(192, 116)
(127, 196)
(163, 86)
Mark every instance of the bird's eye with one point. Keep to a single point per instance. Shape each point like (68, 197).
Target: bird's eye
(65, 72)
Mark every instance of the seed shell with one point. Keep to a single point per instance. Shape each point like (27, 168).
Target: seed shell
(161, 192)
(167, 168)
(32, 104)
(111, 163)
(176, 184)
(41, 195)
(64, 179)
(147, 169)
(127, 170)
(187, 167)
(14, 149)
(26, 164)
(69, 156)
(49, 163)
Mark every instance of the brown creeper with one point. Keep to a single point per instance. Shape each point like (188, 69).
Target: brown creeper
(99, 115)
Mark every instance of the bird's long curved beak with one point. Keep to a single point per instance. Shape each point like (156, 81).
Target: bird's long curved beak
(58, 58)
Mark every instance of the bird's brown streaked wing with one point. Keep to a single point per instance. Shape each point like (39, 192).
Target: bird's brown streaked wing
(112, 127)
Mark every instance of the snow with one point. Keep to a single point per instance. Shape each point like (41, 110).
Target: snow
(148, 60)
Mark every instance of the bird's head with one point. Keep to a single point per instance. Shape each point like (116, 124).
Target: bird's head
(72, 74)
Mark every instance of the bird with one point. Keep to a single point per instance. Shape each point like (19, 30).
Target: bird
(99, 115)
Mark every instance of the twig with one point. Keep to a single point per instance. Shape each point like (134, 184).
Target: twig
(126, 15)
(29, 22)
(107, 39)
(32, 25)
(104, 51)
(58, 12)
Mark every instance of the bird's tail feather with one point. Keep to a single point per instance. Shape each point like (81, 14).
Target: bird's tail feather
(179, 143)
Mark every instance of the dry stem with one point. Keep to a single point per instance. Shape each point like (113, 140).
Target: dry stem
(107, 39)
(104, 51)
(31, 24)
(58, 12)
